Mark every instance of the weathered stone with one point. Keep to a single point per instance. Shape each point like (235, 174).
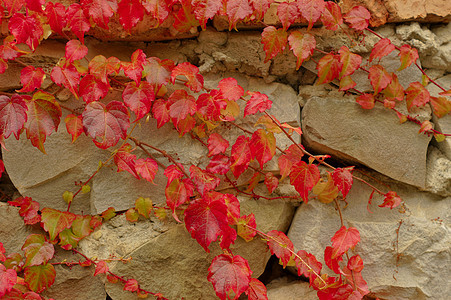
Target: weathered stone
(438, 179)
(372, 137)
(411, 264)
(284, 289)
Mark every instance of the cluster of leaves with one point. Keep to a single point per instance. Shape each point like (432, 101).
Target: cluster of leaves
(151, 88)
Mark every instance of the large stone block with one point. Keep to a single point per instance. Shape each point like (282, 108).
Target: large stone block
(375, 138)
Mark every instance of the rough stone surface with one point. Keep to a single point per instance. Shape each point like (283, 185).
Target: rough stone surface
(284, 289)
(372, 137)
(418, 257)
(438, 179)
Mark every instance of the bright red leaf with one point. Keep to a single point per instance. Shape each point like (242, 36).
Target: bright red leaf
(204, 181)
(230, 275)
(416, 95)
(356, 279)
(160, 111)
(292, 155)
(101, 268)
(31, 78)
(343, 180)
(358, 18)
(366, 101)
(219, 164)
(125, 161)
(182, 105)
(139, 98)
(206, 219)
(174, 172)
(158, 72)
(184, 18)
(8, 279)
(288, 13)
(56, 15)
(75, 50)
(37, 250)
(216, 144)
(13, 6)
(328, 68)
(391, 200)
(195, 81)
(349, 62)
(106, 124)
(407, 55)
(302, 46)
(274, 41)
(102, 67)
(28, 209)
(210, 105)
(307, 264)
(26, 29)
(159, 10)
(74, 125)
(131, 285)
(382, 48)
(263, 146)
(66, 75)
(343, 240)
(280, 245)
(92, 89)
(130, 13)
(304, 177)
(237, 10)
(240, 155)
(147, 168)
(355, 263)
(260, 7)
(205, 9)
(331, 16)
(178, 192)
(100, 11)
(77, 20)
(379, 78)
(13, 115)
(330, 262)
(38, 278)
(134, 69)
(258, 103)
(44, 115)
(311, 10)
(256, 290)
(54, 221)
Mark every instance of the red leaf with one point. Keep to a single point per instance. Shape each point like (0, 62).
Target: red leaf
(100, 11)
(307, 264)
(288, 13)
(304, 177)
(134, 69)
(13, 6)
(256, 290)
(343, 180)
(229, 275)
(106, 124)
(206, 218)
(258, 103)
(178, 192)
(38, 278)
(366, 101)
(28, 209)
(147, 168)
(246, 226)
(441, 105)
(68, 76)
(195, 81)
(54, 221)
(331, 16)
(205, 9)
(182, 105)
(101, 268)
(280, 245)
(328, 68)
(209, 105)
(8, 279)
(391, 200)
(9, 50)
(274, 41)
(346, 83)
(13, 115)
(160, 112)
(356, 279)
(37, 250)
(185, 19)
(131, 285)
(343, 240)
(74, 126)
(330, 262)
(358, 18)
(219, 164)
(92, 89)
(56, 15)
(394, 90)
(217, 144)
(102, 67)
(44, 115)
(75, 50)
(173, 172)
(237, 10)
(138, 98)
(130, 13)
(263, 146)
(355, 263)
(31, 79)
(77, 21)
(26, 29)
(158, 72)
(292, 155)
(416, 95)
(381, 49)
(349, 62)
(125, 161)
(260, 7)
(302, 46)
(240, 155)
(203, 180)
(311, 10)
(159, 10)
(379, 78)
(408, 56)
(2, 169)
(271, 182)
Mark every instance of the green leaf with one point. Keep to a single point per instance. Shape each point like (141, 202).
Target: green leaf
(143, 206)
(55, 221)
(39, 277)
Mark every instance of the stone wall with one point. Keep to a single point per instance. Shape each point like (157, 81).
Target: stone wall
(407, 253)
